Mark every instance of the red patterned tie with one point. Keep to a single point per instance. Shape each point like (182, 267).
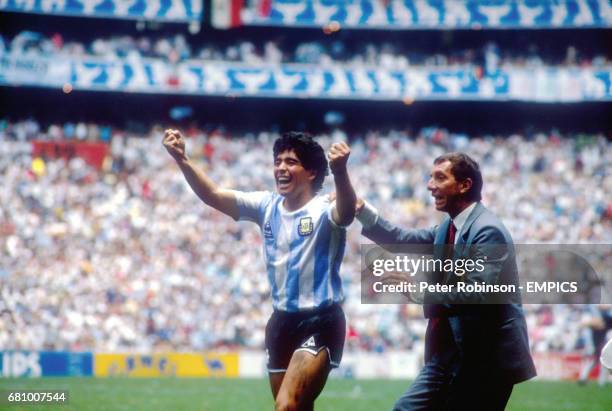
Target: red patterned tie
(450, 237)
(450, 242)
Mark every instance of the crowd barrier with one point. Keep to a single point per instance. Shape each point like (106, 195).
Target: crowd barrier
(19, 363)
(246, 364)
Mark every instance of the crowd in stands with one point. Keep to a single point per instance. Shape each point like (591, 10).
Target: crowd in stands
(389, 55)
(127, 258)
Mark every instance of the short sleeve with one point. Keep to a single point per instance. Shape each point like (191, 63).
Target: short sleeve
(252, 205)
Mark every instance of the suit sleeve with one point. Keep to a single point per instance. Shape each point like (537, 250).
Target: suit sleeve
(382, 232)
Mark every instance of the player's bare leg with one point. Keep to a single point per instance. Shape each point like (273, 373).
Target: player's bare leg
(303, 382)
(276, 379)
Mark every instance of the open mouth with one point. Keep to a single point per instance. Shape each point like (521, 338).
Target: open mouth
(283, 182)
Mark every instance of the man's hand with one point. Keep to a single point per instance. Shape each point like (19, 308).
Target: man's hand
(175, 144)
(338, 156)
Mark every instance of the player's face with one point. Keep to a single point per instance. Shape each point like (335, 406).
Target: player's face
(445, 189)
(292, 179)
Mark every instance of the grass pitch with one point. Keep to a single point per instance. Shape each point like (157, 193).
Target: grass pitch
(87, 394)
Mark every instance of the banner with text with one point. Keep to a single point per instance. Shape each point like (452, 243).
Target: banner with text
(19, 363)
(159, 10)
(167, 364)
(307, 81)
(431, 14)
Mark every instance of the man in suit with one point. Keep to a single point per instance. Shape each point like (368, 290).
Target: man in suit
(474, 351)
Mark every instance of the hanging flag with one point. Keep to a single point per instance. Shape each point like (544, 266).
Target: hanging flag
(226, 13)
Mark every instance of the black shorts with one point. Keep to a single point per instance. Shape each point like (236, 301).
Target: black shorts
(311, 331)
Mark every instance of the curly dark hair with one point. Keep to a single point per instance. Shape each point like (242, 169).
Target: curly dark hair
(308, 151)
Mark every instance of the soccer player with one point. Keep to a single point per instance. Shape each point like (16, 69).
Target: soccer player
(304, 238)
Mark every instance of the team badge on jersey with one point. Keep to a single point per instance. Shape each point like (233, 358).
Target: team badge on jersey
(305, 227)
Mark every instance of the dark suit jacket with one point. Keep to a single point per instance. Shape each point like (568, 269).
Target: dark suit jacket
(488, 338)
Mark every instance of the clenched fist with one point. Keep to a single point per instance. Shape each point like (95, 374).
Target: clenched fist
(175, 144)
(338, 156)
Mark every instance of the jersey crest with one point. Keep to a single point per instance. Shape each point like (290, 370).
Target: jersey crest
(305, 226)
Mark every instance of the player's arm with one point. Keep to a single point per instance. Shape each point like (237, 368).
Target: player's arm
(204, 187)
(344, 211)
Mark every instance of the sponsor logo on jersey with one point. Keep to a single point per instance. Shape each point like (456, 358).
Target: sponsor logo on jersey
(305, 227)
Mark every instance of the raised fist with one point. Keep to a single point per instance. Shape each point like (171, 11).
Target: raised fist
(175, 144)
(338, 156)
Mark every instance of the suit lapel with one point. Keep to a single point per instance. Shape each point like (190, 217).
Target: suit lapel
(440, 238)
(476, 212)
(439, 248)
(461, 248)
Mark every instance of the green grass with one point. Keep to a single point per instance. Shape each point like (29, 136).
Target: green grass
(253, 394)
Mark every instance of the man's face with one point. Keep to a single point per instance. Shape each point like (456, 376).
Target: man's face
(445, 189)
(292, 179)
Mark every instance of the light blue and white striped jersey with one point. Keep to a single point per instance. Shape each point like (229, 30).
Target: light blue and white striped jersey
(303, 249)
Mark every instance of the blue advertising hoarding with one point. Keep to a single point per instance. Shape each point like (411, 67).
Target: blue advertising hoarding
(18, 363)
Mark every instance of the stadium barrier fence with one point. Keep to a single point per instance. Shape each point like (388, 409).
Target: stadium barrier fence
(243, 364)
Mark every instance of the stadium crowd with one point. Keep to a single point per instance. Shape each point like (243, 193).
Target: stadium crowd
(390, 55)
(127, 258)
